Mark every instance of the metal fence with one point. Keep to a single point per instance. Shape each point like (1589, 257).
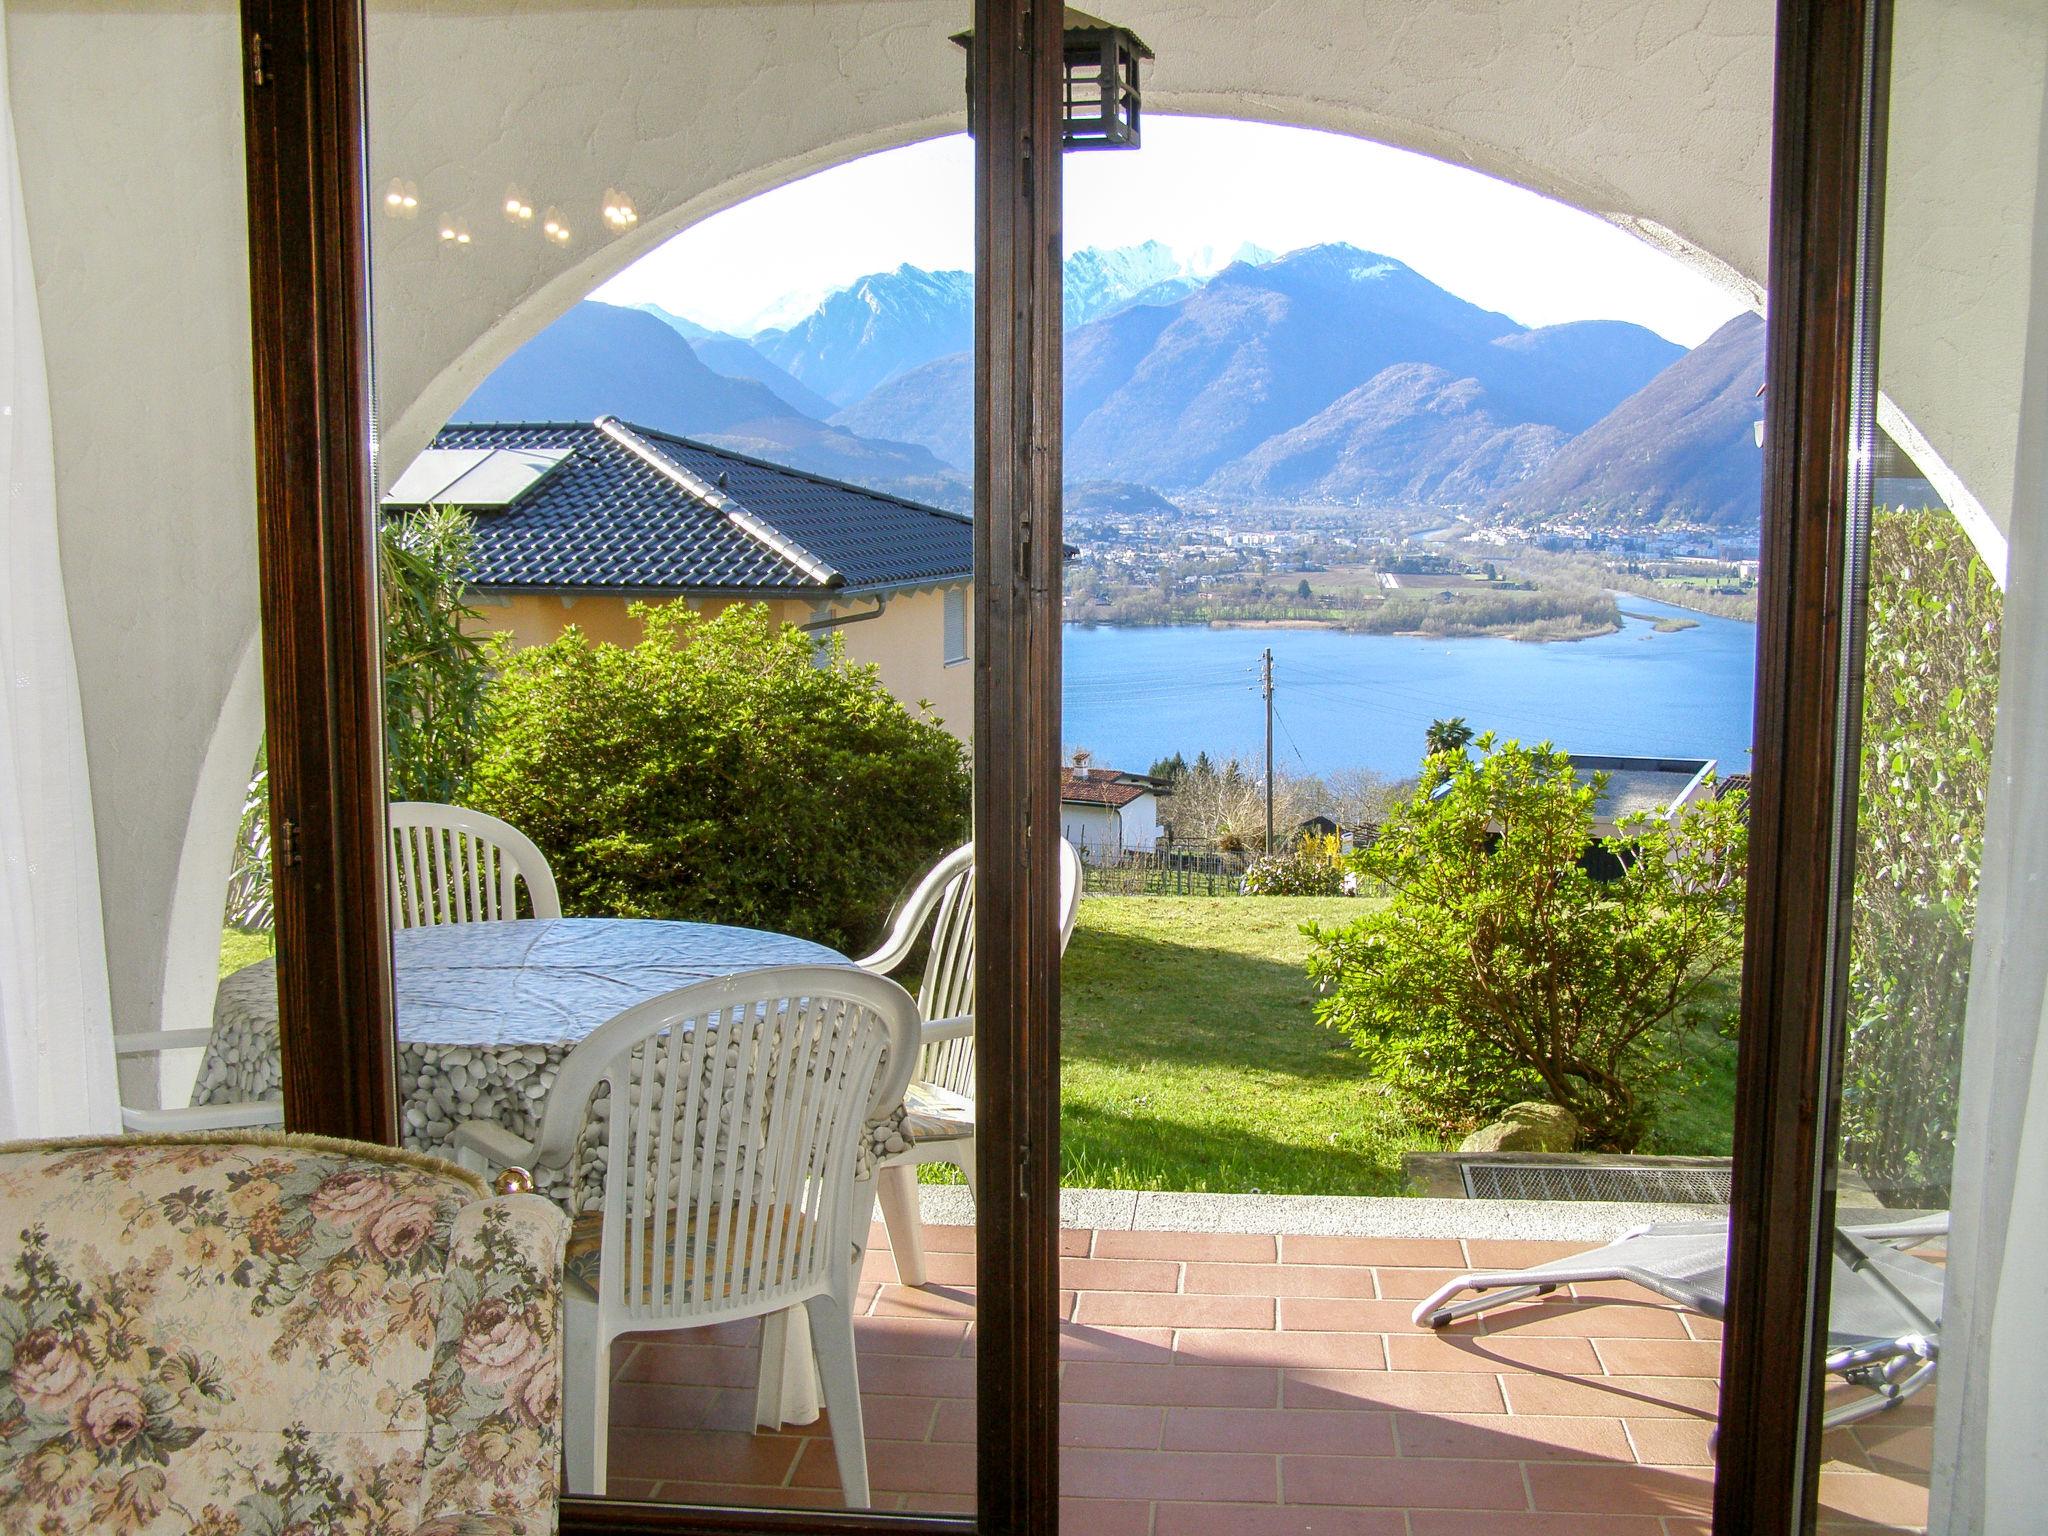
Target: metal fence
(1161, 872)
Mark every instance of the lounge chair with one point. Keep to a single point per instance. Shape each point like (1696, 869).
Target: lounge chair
(1884, 1311)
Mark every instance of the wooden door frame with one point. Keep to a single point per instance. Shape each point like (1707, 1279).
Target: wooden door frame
(1826, 214)
(304, 102)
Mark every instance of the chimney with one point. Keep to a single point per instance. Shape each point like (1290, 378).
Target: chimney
(1080, 766)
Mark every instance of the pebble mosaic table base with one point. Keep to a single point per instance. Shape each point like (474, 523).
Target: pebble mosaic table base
(488, 1011)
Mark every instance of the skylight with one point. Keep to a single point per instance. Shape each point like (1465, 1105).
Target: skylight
(481, 479)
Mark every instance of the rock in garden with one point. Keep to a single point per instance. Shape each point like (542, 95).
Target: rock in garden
(1526, 1127)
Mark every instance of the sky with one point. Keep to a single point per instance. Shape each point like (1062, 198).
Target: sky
(1198, 185)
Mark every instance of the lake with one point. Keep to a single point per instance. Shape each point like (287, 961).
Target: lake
(1364, 701)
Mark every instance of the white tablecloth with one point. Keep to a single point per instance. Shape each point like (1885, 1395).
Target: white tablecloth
(487, 1011)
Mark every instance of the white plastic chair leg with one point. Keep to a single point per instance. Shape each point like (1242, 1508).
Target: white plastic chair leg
(839, 1375)
(786, 1391)
(962, 1153)
(896, 1188)
(586, 1398)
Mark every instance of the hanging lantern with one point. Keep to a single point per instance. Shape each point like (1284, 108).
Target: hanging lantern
(1102, 102)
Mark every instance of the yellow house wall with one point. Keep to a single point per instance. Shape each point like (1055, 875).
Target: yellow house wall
(907, 643)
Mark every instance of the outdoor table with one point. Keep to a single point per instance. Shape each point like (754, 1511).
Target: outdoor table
(487, 1011)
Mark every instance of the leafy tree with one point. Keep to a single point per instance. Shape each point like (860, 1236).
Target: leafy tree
(1172, 769)
(1500, 970)
(1303, 591)
(435, 677)
(1452, 735)
(717, 771)
(1930, 695)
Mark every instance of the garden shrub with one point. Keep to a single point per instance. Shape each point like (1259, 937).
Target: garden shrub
(1500, 970)
(1930, 696)
(717, 771)
(435, 676)
(1311, 868)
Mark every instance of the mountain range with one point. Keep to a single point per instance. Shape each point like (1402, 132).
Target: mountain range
(1328, 376)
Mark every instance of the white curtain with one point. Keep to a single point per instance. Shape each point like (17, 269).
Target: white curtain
(56, 1038)
(1991, 1448)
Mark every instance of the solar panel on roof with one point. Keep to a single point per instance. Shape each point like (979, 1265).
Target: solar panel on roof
(478, 478)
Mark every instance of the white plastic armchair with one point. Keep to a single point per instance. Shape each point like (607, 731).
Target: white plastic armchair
(250, 1115)
(940, 1100)
(735, 1111)
(450, 864)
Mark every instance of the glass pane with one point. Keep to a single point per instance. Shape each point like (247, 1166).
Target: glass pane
(1951, 321)
(1495, 721)
(631, 297)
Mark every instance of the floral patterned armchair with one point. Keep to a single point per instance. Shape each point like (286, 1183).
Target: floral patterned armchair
(246, 1333)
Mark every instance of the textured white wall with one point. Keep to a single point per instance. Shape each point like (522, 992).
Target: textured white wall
(130, 124)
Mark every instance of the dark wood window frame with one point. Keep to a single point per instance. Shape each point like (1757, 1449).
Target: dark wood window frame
(309, 272)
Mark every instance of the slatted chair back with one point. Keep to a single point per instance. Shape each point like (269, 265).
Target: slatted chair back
(450, 864)
(944, 900)
(735, 1112)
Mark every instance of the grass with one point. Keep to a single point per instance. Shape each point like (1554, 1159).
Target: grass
(1192, 1061)
(239, 948)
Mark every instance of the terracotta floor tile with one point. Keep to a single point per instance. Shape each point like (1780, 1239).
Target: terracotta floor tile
(1614, 1397)
(1145, 1309)
(1613, 1490)
(1117, 1427)
(1659, 1357)
(947, 1239)
(1334, 1314)
(1673, 1442)
(908, 1335)
(1430, 1522)
(932, 1300)
(1188, 1247)
(1553, 1318)
(1251, 1346)
(1274, 1520)
(1451, 1351)
(1307, 1431)
(954, 1270)
(617, 1487)
(741, 1497)
(1076, 1242)
(1079, 1341)
(916, 1376)
(1403, 1252)
(1483, 1253)
(1233, 1386)
(1409, 1284)
(697, 1365)
(1876, 1497)
(895, 1467)
(710, 1455)
(1701, 1327)
(681, 1405)
(1896, 1447)
(1122, 1275)
(1382, 1483)
(1279, 1280)
(1511, 1437)
(1105, 1517)
(1428, 1391)
(1093, 1474)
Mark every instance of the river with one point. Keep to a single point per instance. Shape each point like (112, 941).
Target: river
(1364, 701)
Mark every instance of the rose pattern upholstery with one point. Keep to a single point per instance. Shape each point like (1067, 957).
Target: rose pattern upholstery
(250, 1335)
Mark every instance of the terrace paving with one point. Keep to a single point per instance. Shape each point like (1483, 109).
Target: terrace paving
(1262, 1384)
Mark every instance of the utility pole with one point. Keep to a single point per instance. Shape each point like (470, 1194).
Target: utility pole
(1269, 750)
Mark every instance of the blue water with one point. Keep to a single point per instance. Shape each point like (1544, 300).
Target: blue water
(1364, 701)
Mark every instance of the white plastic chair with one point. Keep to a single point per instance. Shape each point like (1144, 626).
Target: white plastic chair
(450, 864)
(939, 1103)
(243, 1116)
(729, 1186)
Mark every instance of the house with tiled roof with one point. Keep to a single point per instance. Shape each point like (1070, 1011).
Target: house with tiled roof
(1105, 812)
(575, 521)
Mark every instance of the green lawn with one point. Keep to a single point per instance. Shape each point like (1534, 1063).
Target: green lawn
(238, 949)
(1192, 1060)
